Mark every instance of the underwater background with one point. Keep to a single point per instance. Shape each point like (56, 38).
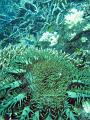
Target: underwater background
(44, 59)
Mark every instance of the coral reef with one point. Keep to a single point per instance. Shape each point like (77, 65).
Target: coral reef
(44, 60)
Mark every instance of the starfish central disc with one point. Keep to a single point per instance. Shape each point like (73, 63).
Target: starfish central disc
(50, 82)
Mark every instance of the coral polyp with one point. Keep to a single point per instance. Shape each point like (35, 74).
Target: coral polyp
(36, 82)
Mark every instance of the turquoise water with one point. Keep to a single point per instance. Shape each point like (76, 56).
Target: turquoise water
(45, 59)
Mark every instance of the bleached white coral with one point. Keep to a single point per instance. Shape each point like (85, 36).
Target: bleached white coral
(74, 17)
(50, 37)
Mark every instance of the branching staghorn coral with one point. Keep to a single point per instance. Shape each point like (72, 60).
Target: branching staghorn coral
(41, 84)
